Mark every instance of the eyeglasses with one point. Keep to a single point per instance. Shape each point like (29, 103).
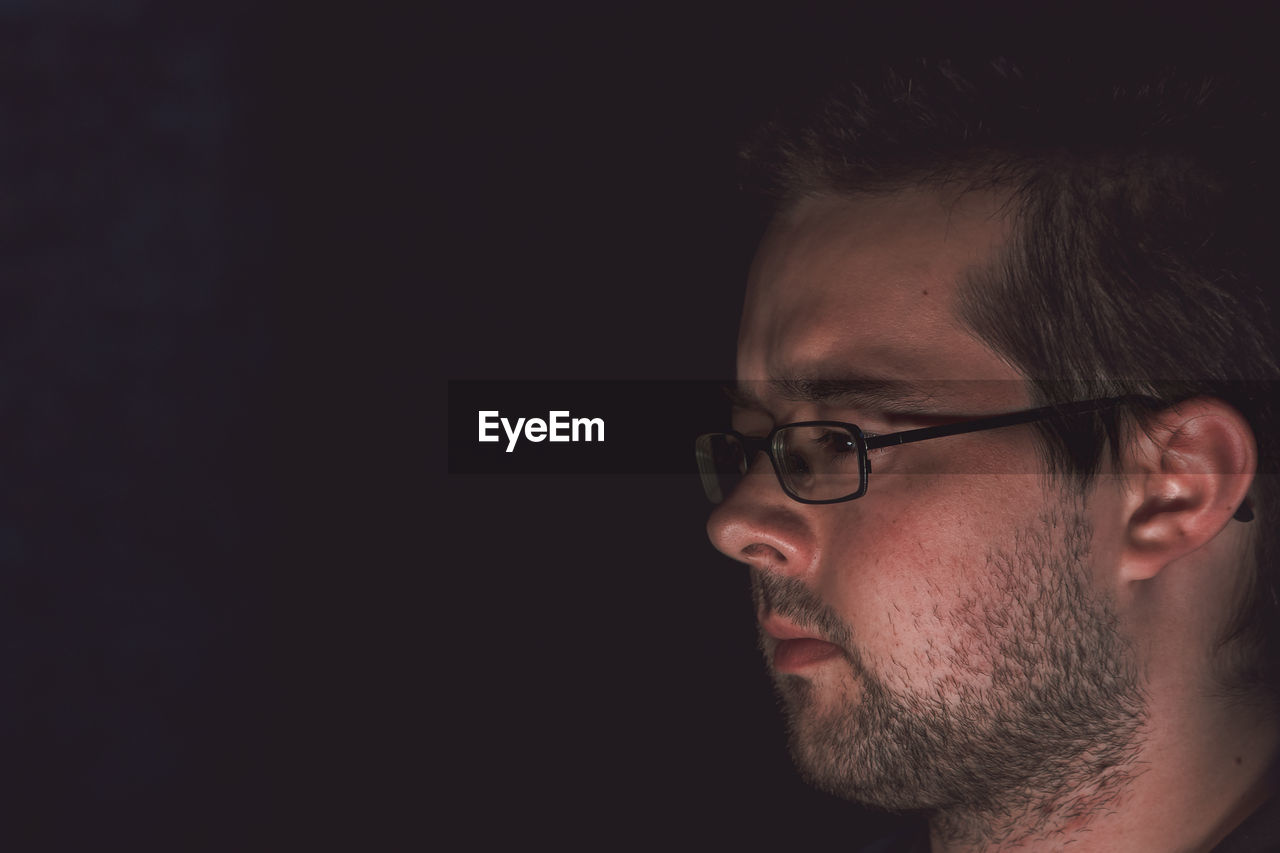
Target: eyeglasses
(826, 462)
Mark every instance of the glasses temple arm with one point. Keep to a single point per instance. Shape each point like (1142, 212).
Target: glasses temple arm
(994, 422)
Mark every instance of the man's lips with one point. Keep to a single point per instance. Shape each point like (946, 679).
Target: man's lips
(780, 629)
(796, 648)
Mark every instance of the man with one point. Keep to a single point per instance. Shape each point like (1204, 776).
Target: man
(1056, 629)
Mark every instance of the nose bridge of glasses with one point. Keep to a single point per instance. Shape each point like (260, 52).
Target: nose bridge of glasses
(752, 447)
(726, 460)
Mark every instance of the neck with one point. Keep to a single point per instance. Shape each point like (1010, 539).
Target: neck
(1190, 778)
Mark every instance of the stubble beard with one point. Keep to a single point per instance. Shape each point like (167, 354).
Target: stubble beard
(1052, 734)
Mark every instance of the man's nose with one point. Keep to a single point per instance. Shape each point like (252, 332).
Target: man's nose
(759, 525)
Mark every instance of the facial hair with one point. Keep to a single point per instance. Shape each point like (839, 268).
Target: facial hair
(1054, 729)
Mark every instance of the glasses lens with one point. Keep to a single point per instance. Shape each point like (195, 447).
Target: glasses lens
(722, 462)
(818, 463)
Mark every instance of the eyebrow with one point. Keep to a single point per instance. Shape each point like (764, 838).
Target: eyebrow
(897, 395)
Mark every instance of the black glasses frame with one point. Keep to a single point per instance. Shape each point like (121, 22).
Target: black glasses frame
(864, 443)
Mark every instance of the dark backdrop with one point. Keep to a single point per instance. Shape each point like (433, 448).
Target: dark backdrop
(247, 246)
(137, 343)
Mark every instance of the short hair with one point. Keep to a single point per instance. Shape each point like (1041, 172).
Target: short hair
(1141, 262)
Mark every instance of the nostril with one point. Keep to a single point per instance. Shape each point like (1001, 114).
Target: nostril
(760, 551)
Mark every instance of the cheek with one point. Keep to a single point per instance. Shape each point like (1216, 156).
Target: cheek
(912, 576)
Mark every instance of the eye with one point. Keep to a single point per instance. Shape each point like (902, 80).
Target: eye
(810, 451)
(830, 450)
(836, 442)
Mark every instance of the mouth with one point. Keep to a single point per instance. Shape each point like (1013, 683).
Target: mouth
(793, 649)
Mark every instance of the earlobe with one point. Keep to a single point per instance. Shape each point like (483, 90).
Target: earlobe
(1191, 467)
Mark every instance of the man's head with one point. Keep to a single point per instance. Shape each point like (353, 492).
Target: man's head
(948, 245)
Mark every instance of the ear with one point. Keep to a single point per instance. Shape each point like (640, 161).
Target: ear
(1190, 469)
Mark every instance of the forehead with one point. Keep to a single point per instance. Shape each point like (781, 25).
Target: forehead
(869, 287)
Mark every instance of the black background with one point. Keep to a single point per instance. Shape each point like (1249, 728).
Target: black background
(248, 608)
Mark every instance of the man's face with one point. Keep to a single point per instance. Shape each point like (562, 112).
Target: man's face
(940, 642)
